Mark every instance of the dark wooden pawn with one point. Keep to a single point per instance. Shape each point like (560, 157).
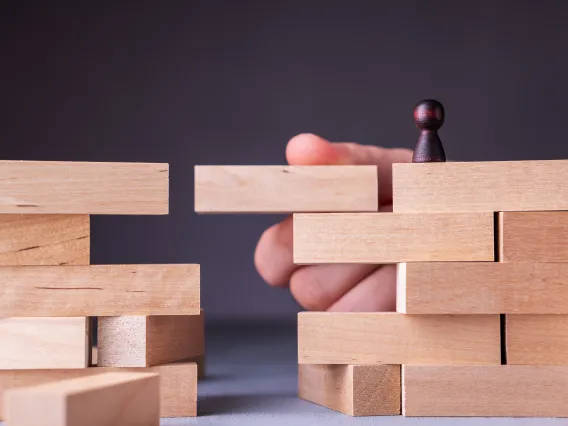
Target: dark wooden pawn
(429, 117)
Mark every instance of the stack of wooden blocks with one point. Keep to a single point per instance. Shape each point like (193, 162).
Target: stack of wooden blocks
(150, 323)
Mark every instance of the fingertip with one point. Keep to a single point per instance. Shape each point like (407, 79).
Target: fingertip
(310, 150)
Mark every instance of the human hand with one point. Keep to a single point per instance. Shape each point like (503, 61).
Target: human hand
(332, 287)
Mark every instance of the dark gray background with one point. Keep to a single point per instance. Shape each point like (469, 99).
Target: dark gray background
(229, 82)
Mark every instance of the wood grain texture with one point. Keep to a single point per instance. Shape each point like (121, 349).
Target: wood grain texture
(285, 189)
(178, 384)
(484, 391)
(482, 288)
(356, 390)
(392, 338)
(56, 187)
(99, 290)
(488, 186)
(392, 237)
(110, 399)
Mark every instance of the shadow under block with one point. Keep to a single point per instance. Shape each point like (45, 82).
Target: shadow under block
(393, 338)
(484, 391)
(99, 290)
(482, 288)
(110, 399)
(285, 189)
(356, 390)
(84, 188)
(392, 237)
(178, 384)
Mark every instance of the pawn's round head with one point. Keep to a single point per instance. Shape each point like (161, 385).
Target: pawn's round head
(429, 115)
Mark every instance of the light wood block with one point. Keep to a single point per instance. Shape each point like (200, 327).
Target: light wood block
(392, 237)
(480, 186)
(484, 391)
(101, 188)
(285, 189)
(178, 384)
(99, 290)
(482, 288)
(356, 390)
(111, 399)
(392, 338)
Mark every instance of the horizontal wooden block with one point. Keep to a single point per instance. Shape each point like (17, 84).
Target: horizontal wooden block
(99, 290)
(484, 391)
(480, 186)
(482, 288)
(178, 384)
(356, 390)
(127, 399)
(84, 188)
(392, 237)
(392, 338)
(285, 189)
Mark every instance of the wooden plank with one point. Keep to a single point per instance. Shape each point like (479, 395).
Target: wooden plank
(356, 390)
(392, 338)
(482, 288)
(495, 186)
(484, 391)
(99, 290)
(178, 384)
(126, 399)
(392, 237)
(285, 189)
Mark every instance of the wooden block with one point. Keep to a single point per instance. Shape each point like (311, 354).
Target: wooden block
(392, 338)
(392, 237)
(484, 391)
(356, 390)
(99, 290)
(44, 343)
(285, 189)
(482, 288)
(178, 384)
(125, 399)
(480, 186)
(84, 188)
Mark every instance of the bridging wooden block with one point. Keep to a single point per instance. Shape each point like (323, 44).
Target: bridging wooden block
(356, 390)
(178, 384)
(482, 288)
(285, 189)
(392, 237)
(484, 391)
(99, 290)
(393, 338)
(125, 399)
(94, 188)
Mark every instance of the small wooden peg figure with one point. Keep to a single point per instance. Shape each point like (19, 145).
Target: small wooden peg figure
(429, 117)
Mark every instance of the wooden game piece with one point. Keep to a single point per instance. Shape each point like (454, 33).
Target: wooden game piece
(429, 117)
(83, 188)
(356, 390)
(126, 399)
(392, 237)
(392, 338)
(482, 288)
(487, 186)
(285, 189)
(99, 290)
(484, 391)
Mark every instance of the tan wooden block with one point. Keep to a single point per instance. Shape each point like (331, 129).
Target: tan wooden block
(99, 290)
(392, 237)
(482, 288)
(125, 399)
(392, 338)
(178, 384)
(356, 390)
(285, 189)
(57, 187)
(488, 186)
(484, 391)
